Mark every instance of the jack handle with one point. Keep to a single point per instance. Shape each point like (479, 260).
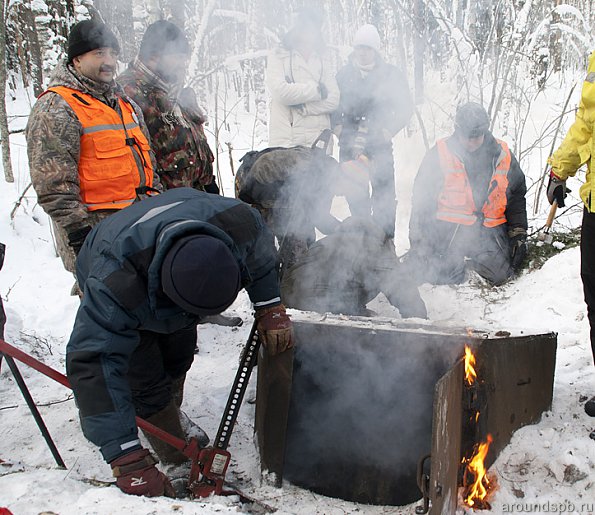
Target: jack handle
(189, 449)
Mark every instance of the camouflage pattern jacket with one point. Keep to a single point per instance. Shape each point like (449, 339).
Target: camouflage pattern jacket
(53, 146)
(175, 123)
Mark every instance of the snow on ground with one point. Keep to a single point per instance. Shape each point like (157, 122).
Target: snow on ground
(553, 461)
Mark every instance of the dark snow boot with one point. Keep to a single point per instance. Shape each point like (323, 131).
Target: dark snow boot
(177, 390)
(167, 419)
(190, 428)
(193, 430)
(590, 407)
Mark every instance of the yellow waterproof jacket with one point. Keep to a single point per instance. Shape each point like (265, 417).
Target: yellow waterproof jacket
(578, 145)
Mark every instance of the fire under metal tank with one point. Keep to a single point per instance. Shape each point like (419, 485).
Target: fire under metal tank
(359, 403)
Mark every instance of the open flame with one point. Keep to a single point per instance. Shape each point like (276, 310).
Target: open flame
(470, 373)
(475, 493)
(476, 484)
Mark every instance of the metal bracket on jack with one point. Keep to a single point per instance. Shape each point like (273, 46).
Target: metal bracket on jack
(208, 476)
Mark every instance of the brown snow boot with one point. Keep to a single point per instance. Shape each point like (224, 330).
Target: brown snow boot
(167, 419)
(177, 390)
(190, 428)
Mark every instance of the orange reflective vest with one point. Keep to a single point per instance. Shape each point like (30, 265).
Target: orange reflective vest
(114, 162)
(455, 202)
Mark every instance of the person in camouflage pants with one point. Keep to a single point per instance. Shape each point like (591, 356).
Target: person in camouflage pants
(54, 134)
(153, 80)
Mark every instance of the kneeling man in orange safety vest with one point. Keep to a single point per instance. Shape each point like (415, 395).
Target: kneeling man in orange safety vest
(469, 208)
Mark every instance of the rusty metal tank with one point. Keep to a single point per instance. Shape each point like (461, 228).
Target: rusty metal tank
(351, 412)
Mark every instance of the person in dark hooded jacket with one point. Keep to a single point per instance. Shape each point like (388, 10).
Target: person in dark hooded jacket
(469, 208)
(344, 271)
(149, 273)
(375, 104)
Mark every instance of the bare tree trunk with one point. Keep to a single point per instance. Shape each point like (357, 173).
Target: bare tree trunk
(177, 12)
(194, 65)
(117, 15)
(154, 11)
(32, 46)
(4, 134)
(418, 52)
(555, 46)
(61, 17)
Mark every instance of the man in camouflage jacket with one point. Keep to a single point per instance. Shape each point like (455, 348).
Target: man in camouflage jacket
(153, 80)
(293, 189)
(54, 136)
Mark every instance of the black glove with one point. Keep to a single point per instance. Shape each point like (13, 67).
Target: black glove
(556, 190)
(2, 250)
(323, 90)
(77, 237)
(518, 251)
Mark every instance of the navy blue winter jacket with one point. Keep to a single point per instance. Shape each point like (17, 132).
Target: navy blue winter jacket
(118, 270)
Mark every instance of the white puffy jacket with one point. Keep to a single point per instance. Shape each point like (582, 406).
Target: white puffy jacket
(298, 114)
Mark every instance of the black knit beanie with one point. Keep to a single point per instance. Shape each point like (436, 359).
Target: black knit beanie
(163, 38)
(200, 274)
(89, 35)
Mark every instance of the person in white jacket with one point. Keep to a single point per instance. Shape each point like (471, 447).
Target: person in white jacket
(300, 77)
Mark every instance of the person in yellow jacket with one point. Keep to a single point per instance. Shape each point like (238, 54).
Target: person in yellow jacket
(577, 149)
(89, 154)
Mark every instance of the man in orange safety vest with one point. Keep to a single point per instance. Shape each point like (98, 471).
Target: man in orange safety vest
(469, 207)
(89, 154)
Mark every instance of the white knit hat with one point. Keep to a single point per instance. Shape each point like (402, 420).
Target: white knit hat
(367, 35)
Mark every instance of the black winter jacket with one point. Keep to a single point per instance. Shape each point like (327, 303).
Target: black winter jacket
(118, 270)
(426, 233)
(381, 97)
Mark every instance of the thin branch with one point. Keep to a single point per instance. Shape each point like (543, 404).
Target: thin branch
(44, 405)
(19, 202)
(570, 208)
(10, 289)
(538, 193)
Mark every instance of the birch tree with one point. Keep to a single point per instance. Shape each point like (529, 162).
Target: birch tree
(4, 134)
(117, 15)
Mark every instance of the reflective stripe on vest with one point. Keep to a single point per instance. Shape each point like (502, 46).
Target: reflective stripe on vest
(114, 158)
(456, 203)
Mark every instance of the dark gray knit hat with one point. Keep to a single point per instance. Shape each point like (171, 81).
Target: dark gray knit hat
(89, 35)
(471, 120)
(163, 38)
(201, 275)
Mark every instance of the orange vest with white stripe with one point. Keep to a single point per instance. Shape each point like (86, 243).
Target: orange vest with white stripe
(114, 161)
(455, 202)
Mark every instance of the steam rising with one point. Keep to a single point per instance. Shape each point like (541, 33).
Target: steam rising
(361, 414)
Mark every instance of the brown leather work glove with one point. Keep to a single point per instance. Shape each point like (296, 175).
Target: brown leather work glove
(137, 474)
(275, 329)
